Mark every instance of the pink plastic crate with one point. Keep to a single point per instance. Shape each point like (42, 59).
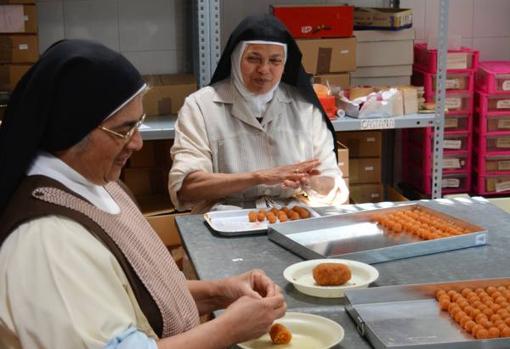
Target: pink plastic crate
(463, 59)
(451, 182)
(492, 142)
(458, 122)
(455, 82)
(492, 122)
(423, 137)
(455, 102)
(487, 163)
(492, 184)
(493, 77)
(492, 103)
(418, 159)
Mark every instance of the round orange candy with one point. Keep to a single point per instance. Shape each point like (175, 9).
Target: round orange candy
(493, 332)
(505, 332)
(468, 325)
(482, 333)
(444, 303)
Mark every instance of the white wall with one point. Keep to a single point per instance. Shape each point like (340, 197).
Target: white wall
(153, 34)
(156, 35)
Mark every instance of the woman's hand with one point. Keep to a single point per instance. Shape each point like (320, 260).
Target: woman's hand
(255, 284)
(291, 176)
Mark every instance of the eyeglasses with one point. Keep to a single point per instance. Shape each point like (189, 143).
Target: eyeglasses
(126, 135)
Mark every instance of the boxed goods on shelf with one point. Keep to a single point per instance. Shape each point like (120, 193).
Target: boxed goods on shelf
(328, 55)
(384, 48)
(362, 144)
(18, 48)
(334, 80)
(362, 193)
(316, 21)
(10, 74)
(492, 103)
(343, 159)
(365, 170)
(426, 59)
(167, 93)
(493, 77)
(18, 19)
(456, 81)
(382, 18)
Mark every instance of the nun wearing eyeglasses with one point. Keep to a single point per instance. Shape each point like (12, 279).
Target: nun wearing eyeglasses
(80, 267)
(257, 135)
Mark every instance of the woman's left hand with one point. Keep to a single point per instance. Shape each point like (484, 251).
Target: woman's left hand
(254, 283)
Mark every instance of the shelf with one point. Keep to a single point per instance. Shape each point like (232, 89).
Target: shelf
(158, 127)
(163, 127)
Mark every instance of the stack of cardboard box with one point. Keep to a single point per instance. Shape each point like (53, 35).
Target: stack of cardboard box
(365, 150)
(18, 42)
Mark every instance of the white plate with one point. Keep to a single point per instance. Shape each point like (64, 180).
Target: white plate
(236, 222)
(301, 276)
(308, 332)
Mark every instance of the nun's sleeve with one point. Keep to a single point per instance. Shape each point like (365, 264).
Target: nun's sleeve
(324, 150)
(191, 151)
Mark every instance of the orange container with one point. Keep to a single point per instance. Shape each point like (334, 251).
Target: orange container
(329, 105)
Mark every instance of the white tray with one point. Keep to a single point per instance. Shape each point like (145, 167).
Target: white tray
(236, 223)
(301, 276)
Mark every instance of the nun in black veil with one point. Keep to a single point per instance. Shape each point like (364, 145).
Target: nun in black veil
(80, 267)
(257, 134)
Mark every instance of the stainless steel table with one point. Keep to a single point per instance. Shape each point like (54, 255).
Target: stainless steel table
(216, 257)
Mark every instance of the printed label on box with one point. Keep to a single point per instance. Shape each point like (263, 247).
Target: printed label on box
(452, 144)
(452, 83)
(503, 165)
(503, 143)
(502, 186)
(369, 168)
(23, 46)
(370, 139)
(503, 104)
(451, 122)
(505, 123)
(453, 102)
(374, 195)
(451, 183)
(456, 60)
(506, 85)
(451, 163)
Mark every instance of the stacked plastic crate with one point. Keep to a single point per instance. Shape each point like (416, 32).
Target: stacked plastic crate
(417, 144)
(492, 129)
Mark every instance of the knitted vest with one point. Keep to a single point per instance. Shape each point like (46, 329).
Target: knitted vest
(158, 285)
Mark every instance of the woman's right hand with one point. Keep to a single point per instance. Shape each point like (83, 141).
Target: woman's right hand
(292, 176)
(249, 318)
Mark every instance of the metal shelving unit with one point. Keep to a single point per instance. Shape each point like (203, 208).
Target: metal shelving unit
(207, 51)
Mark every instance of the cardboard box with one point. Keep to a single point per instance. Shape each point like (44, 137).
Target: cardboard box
(363, 193)
(167, 93)
(383, 48)
(383, 71)
(328, 55)
(10, 74)
(165, 226)
(382, 18)
(392, 194)
(362, 144)
(146, 181)
(381, 81)
(410, 99)
(18, 48)
(365, 170)
(316, 21)
(18, 19)
(343, 159)
(155, 153)
(341, 79)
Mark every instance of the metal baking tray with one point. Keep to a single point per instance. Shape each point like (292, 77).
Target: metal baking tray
(408, 316)
(235, 222)
(356, 236)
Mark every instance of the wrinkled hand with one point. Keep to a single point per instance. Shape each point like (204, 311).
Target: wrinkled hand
(291, 176)
(249, 318)
(255, 284)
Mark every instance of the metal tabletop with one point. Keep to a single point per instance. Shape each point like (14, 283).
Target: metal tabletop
(215, 257)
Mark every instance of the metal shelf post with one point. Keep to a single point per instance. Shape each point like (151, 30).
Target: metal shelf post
(442, 51)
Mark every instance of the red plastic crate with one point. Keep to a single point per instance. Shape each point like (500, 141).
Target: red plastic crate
(493, 77)
(457, 60)
(455, 82)
(490, 103)
(489, 163)
(492, 142)
(458, 122)
(491, 184)
(451, 183)
(492, 122)
(454, 141)
(316, 21)
(455, 102)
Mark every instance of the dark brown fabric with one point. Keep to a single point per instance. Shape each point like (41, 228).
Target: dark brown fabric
(23, 207)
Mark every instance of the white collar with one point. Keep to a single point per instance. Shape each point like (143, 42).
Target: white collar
(50, 166)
